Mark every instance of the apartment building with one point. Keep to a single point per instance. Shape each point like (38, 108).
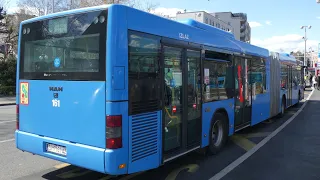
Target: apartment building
(233, 22)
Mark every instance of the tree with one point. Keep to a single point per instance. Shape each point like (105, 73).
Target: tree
(8, 76)
(139, 4)
(43, 7)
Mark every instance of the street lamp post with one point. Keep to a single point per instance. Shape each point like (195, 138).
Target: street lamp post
(305, 48)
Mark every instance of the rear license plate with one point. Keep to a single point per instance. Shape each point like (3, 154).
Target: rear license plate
(61, 150)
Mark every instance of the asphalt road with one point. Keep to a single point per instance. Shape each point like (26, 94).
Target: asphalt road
(15, 164)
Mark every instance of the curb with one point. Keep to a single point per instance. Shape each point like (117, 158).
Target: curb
(7, 104)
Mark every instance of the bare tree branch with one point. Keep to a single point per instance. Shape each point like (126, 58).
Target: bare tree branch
(5, 4)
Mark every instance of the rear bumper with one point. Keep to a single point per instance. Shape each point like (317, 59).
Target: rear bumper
(77, 154)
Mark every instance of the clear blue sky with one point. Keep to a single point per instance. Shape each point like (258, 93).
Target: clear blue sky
(286, 16)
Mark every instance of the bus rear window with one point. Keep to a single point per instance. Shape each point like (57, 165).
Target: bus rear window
(68, 48)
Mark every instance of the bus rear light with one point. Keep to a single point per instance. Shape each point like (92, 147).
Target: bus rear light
(114, 143)
(114, 132)
(194, 106)
(174, 109)
(114, 121)
(17, 117)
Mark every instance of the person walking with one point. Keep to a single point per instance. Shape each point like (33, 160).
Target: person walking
(314, 82)
(318, 84)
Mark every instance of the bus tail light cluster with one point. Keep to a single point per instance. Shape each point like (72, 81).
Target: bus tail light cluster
(174, 109)
(17, 117)
(114, 132)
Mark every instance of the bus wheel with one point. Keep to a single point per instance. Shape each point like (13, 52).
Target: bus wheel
(299, 97)
(283, 107)
(218, 133)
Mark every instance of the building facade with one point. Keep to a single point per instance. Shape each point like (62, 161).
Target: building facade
(239, 22)
(206, 18)
(233, 22)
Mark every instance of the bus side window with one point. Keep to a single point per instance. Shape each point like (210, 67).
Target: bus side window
(168, 96)
(144, 79)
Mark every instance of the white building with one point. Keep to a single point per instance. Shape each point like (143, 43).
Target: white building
(239, 23)
(207, 18)
(235, 22)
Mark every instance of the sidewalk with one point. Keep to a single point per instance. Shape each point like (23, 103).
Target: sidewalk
(294, 153)
(5, 101)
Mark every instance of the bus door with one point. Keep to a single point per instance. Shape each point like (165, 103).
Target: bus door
(243, 98)
(182, 100)
(289, 95)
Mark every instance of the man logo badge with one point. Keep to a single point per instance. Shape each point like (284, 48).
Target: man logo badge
(56, 101)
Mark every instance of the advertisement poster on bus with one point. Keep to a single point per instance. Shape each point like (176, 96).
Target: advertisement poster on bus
(206, 76)
(24, 93)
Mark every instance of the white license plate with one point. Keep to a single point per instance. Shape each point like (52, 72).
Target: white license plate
(57, 149)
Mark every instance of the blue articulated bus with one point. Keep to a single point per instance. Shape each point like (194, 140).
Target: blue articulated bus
(118, 90)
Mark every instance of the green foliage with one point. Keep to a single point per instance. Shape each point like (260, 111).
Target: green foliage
(8, 76)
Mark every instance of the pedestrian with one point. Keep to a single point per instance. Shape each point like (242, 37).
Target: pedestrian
(314, 82)
(318, 84)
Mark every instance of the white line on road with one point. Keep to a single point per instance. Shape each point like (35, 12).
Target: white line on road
(1, 122)
(8, 140)
(240, 160)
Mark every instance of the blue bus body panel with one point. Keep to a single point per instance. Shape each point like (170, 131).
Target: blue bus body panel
(116, 157)
(261, 102)
(77, 154)
(80, 117)
(208, 110)
(117, 54)
(145, 141)
(260, 108)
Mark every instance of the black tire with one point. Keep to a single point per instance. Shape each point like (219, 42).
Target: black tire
(218, 133)
(283, 107)
(299, 97)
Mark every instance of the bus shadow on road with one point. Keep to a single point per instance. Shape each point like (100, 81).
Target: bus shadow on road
(74, 172)
(195, 165)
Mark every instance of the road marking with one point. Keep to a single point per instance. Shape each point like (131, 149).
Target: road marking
(8, 140)
(243, 142)
(1, 122)
(257, 135)
(192, 168)
(240, 160)
(291, 112)
(63, 165)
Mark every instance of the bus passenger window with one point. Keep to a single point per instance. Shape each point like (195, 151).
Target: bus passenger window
(210, 81)
(258, 75)
(218, 81)
(144, 79)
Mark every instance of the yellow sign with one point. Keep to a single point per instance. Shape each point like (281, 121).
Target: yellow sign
(24, 93)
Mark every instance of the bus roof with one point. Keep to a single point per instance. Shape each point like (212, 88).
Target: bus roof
(284, 57)
(199, 32)
(206, 27)
(68, 12)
